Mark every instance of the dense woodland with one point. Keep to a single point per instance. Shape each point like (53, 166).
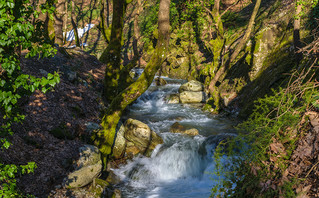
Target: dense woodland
(62, 88)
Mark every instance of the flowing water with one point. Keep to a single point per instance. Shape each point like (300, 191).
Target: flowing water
(182, 166)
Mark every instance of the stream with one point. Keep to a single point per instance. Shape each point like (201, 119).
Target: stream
(182, 166)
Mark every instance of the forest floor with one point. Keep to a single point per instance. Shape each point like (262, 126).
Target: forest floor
(57, 122)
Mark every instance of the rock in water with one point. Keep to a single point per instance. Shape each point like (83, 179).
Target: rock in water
(160, 81)
(141, 136)
(178, 128)
(87, 167)
(120, 143)
(192, 85)
(192, 97)
(172, 99)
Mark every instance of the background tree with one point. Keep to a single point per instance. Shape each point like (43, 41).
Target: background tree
(104, 138)
(238, 48)
(59, 21)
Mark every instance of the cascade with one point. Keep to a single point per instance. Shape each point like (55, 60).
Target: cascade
(182, 166)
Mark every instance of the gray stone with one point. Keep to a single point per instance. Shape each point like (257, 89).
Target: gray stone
(43, 72)
(87, 167)
(92, 126)
(192, 85)
(71, 76)
(191, 97)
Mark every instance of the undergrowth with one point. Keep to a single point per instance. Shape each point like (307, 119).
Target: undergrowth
(259, 156)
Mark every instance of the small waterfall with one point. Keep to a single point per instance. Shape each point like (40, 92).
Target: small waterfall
(182, 166)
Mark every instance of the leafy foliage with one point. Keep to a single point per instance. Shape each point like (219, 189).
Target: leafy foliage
(261, 152)
(17, 33)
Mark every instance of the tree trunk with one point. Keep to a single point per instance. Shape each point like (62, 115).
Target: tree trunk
(58, 26)
(112, 54)
(104, 24)
(136, 35)
(65, 20)
(297, 43)
(225, 67)
(105, 137)
(75, 28)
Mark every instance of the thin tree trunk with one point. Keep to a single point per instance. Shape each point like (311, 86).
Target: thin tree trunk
(297, 43)
(105, 137)
(58, 25)
(103, 24)
(75, 28)
(225, 67)
(136, 35)
(112, 54)
(65, 20)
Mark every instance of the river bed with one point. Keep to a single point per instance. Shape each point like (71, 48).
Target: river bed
(182, 166)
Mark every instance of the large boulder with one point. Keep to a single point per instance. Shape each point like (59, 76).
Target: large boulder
(87, 167)
(192, 97)
(178, 128)
(120, 143)
(141, 136)
(193, 85)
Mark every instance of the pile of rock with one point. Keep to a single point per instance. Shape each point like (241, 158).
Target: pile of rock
(190, 92)
(135, 137)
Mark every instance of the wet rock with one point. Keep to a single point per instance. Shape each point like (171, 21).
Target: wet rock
(178, 128)
(193, 85)
(191, 97)
(172, 99)
(120, 143)
(141, 136)
(87, 167)
(160, 81)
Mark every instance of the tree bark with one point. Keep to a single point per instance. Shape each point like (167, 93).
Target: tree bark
(136, 35)
(297, 43)
(58, 26)
(75, 28)
(112, 54)
(65, 20)
(225, 67)
(105, 137)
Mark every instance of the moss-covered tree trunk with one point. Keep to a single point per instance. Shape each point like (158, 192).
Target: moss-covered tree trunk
(112, 54)
(225, 67)
(105, 137)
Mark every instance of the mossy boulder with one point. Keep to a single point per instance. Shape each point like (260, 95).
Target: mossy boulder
(141, 136)
(192, 97)
(87, 167)
(192, 85)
